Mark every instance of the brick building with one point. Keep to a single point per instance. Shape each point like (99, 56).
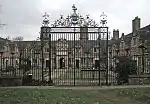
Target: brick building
(135, 44)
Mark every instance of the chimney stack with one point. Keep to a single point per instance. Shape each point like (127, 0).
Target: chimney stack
(136, 24)
(115, 34)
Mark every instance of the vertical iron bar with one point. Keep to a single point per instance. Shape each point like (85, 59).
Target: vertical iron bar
(12, 59)
(50, 80)
(35, 64)
(13, 63)
(99, 59)
(1, 64)
(74, 54)
(42, 57)
(143, 60)
(107, 58)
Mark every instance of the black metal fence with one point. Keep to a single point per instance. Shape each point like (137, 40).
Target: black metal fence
(75, 56)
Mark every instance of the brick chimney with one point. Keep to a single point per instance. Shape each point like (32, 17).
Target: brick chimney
(136, 24)
(115, 34)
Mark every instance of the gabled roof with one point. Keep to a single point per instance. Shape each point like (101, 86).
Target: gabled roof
(143, 33)
(4, 42)
(23, 44)
(86, 45)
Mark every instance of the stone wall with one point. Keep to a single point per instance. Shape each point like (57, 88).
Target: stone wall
(139, 79)
(10, 81)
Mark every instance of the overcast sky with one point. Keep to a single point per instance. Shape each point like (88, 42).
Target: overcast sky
(24, 17)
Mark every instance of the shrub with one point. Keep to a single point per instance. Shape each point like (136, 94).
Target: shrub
(124, 68)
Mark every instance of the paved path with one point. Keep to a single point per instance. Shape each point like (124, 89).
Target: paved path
(79, 88)
(56, 73)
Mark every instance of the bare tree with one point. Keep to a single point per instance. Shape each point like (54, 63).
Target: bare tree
(18, 38)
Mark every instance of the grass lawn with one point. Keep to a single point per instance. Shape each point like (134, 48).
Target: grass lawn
(51, 96)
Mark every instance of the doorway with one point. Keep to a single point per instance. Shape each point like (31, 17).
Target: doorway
(29, 64)
(47, 63)
(97, 64)
(77, 64)
(62, 63)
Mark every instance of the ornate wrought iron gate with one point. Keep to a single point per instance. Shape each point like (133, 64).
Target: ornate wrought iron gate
(77, 51)
(72, 51)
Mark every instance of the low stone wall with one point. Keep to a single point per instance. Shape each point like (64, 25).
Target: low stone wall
(10, 81)
(139, 79)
